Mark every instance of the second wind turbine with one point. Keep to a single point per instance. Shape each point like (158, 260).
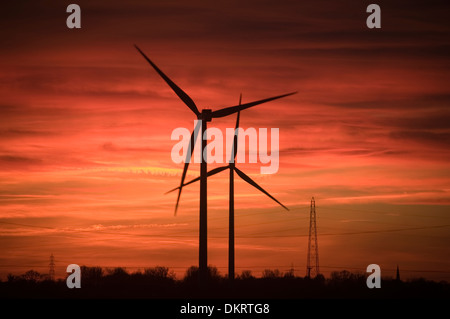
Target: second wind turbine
(232, 167)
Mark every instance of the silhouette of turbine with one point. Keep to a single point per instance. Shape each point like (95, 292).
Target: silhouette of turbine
(206, 115)
(232, 167)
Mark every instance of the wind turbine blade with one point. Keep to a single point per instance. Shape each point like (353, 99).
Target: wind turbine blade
(181, 94)
(253, 183)
(187, 161)
(210, 173)
(235, 136)
(233, 109)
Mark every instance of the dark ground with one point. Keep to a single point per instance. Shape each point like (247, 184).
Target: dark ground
(160, 283)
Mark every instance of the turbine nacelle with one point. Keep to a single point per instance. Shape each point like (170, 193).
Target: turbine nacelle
(206, 115)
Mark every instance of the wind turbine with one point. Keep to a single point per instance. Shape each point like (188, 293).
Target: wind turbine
(206, 115)
(232, 167)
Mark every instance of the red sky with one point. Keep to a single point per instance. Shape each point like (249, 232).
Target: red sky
(85, 132)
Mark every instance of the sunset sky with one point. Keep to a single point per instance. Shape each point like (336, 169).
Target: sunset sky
(85, 127)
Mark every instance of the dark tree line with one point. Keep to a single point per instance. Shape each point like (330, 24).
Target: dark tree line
(161, 282)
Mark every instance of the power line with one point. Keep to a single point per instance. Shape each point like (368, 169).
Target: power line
(246, 267)
(373, 211)
(223, 217)
(254, 235)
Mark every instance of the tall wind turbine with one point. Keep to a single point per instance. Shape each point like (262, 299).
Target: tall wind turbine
(232, 167)
(206, 115)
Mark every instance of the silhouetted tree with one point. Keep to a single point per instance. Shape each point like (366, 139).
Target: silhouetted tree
(11, 278)
(159, 272)
(192, 274)
(246, 274)
(347, 280)
(271, 274)
(118, 274)
(340, 275)
(289, 274)
(32, 276)
(91, 275)
(319, 278)
(213, 272)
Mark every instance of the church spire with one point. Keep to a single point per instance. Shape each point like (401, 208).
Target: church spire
(397, 278)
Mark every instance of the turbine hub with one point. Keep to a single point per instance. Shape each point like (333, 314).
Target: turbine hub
(206, 115)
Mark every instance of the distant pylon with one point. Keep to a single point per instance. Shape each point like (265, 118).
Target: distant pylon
(398, 274)
(312, 263)
(51, 272)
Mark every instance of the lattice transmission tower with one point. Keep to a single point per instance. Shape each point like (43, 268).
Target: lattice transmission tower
(312, 263)
(51, 272)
